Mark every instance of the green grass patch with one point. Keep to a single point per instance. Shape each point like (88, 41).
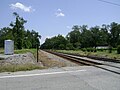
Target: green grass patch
(25, 51)
(22, 51)
(14, 68)
(104, 53)
(1, 50)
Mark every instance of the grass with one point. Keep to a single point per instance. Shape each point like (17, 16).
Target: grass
(33, 51)
(1, 50)
(22, 51)
(14, 68)
(104, 53)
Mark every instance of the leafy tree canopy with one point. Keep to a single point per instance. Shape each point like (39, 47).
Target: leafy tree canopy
(22, 38)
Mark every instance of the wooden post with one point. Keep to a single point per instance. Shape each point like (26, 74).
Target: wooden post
(37, 52)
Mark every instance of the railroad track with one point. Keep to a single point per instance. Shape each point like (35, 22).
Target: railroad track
(88, 62)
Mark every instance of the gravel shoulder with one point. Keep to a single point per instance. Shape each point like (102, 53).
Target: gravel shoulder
(18, 59)
(53, 61)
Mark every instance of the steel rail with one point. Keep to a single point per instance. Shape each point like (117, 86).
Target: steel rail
(85, 62)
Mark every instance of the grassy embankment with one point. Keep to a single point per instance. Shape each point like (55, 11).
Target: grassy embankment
(1, 51)
(23, 67)
(104, 53)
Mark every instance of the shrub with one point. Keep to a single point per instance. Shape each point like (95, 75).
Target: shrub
(110, 49)
(91, 50)
(118, 49)
(94, 49)
(62, 46)
(69, 46)
(100, 50)
(88, 49)
(83, 49)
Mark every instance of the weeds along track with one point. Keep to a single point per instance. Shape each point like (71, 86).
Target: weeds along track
(89, 62)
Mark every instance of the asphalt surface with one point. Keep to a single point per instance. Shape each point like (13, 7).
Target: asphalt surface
(68, 78)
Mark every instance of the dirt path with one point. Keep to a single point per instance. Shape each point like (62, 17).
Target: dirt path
(51, 61)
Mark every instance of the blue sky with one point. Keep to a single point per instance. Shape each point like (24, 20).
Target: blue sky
(53, 17)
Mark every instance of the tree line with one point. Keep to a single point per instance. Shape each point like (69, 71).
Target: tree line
(16, 31)
(84, 37)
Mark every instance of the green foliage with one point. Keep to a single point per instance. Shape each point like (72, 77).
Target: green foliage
(74, 36)
(18, 31)
(100, 50)
(57, 42)
(22, 38)
(61, 46)
(118, 49)
(91, 49)
(5, 33)
(114, 35)
(69, 46)
(86, 38)
(83, 49)
(82, 37)
(1, 50)
(110, 49)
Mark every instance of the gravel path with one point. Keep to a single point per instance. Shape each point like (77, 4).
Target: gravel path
(59, 59)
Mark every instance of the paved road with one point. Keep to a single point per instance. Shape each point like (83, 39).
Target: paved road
(69, 78)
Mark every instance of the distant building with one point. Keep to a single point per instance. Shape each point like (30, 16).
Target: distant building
(102, 47)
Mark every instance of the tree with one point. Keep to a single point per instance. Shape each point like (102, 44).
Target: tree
(35, 39)
(57, 42)
(86, 39)
(74, 36)
(69, 46)
(17, 30)
(21, 37)
(5, 33)
(82, 37)
(114, 35)
(104, 35)
(95, 31)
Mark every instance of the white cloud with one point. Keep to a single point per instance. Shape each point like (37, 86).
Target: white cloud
(59, 10)
(22, 7)
(69, 27)
(59, 13)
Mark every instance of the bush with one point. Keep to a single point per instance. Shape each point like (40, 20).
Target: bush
(94, 49)
(69, 46)
(91, 50)
(88, 49)
(100, 50)
(118, 49)
(61, 46)
(83, 49)
(110, 49)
